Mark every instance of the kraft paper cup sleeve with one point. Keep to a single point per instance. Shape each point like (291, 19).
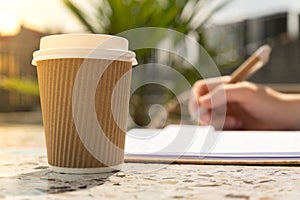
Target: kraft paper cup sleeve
(57, 66)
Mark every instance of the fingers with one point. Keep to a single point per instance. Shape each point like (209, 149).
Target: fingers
(193, 106)
(221, 95)
(228, 93)
(204, 86)
(213, 95)
(201, 88)
(221, 122)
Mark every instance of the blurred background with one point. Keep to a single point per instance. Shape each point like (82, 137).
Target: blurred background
(230, 30)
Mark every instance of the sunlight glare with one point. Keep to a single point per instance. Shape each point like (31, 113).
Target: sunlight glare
(9, 24)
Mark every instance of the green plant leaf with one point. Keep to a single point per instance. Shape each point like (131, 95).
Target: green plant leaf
(24, 86)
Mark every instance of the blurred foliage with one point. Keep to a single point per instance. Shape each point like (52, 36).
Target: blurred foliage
(23, 86)
(115, 16)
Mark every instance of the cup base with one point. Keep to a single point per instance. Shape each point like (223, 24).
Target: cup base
(67, 170)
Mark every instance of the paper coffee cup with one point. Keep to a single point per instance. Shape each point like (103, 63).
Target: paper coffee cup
(84, 82)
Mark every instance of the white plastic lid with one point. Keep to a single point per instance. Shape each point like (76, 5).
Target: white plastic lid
(98, 46)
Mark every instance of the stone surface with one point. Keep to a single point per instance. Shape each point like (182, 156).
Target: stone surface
(24, 174)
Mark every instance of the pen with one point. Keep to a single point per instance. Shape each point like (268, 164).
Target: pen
(257, 60)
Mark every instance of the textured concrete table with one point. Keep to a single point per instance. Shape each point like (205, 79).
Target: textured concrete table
(24, 174)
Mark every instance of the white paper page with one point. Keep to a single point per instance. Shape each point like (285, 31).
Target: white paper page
(199, 141)
(172, 139)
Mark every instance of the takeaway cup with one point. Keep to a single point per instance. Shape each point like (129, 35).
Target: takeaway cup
(84, 82)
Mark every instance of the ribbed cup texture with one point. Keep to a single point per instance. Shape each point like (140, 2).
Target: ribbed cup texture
(64, 146)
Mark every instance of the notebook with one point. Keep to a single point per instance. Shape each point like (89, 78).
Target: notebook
(204, 145)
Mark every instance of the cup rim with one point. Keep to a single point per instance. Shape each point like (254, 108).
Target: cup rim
(84, 45)
(86, 53)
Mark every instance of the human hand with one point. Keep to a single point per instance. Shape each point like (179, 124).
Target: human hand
(242, 105)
